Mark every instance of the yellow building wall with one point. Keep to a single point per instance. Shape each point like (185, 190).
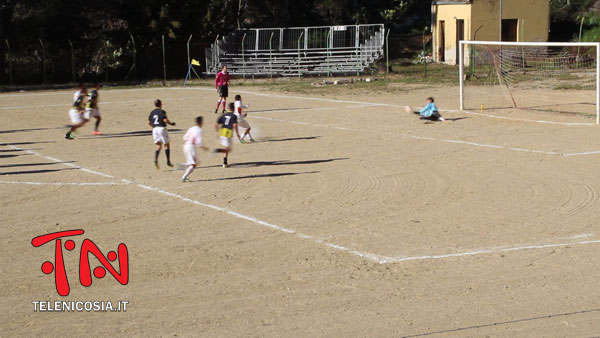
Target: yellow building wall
(533, 16)
(482, 22)
(449, 14)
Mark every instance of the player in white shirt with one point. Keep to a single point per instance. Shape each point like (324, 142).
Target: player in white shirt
(80, 87)
(76, 111)
(240, 117)
(192, 140)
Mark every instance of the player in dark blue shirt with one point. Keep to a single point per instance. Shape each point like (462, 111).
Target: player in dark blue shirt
(91, 108)
(158, 121)
(225, 125)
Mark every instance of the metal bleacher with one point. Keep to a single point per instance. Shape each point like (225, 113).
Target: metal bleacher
(323, 50)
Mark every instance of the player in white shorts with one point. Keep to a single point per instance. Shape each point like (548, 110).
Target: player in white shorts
(192, 140)
(158, 121)
(225, 125)
(241, 121)
(76, 111)
(91, 108)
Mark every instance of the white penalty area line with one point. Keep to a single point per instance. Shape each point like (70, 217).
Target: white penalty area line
(525, 120)
(390, 105)
(64, 183)
(376, 258)
(427, 138)
(66, 91)
(104, 102)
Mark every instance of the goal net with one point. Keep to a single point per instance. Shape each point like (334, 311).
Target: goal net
(554, 80)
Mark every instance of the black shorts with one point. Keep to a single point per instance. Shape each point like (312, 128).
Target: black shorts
(223, 91)
(435, 116)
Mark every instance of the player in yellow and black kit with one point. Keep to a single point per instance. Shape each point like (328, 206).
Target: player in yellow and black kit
(225, 125)
(91, 108)
(76, 111)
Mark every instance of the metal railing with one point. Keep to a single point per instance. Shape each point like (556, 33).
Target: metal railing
(298, 50)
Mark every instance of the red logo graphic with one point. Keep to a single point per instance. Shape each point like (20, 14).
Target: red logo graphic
(85, 274)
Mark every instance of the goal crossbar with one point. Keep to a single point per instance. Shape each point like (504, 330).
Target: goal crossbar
(463, 43)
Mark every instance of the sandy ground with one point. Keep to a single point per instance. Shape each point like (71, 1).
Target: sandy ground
(350, 218)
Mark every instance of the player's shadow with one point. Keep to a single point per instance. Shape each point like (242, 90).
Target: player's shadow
(456, 118)
(23, 143)
(25, 130)
(275, 163)
(451, 119)
(293, 139)
(41, 171)
(13, 155)
(12, 150)
(256, 176)
(137, 133)
(31, 164)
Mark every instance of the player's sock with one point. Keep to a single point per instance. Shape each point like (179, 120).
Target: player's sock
(187, 172)
(225, 160)
(168, 153)
(156, 153)
(97, 125)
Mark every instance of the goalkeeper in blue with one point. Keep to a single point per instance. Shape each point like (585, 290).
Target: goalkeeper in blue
(429, 112)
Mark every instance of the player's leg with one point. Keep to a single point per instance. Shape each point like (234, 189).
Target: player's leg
(168, 154)
(98, 118)
(437, 117)
(248, 133)
(77, 121)
(190, 155)
(225, 163)
(224, 94)
(226, 143)
(156, 153)
(246, 126)
(218, 104)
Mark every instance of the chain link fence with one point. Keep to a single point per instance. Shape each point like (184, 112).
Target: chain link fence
(43, 62)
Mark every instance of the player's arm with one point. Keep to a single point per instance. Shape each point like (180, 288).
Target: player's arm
(203, 147)
(217, 81)
(166, 120)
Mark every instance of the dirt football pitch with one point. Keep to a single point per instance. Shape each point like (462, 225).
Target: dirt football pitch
(348, 218)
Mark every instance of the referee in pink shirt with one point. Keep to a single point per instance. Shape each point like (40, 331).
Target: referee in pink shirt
(222, 86)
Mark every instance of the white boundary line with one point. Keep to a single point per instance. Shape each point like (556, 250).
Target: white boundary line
(474, 144)
(367, 104)
(68, 105)
(525, 120)
(387, 105)
(376, 258)
(70, 90)
(62, 183)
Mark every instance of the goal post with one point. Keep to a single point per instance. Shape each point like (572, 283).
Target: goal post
(544, 77)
